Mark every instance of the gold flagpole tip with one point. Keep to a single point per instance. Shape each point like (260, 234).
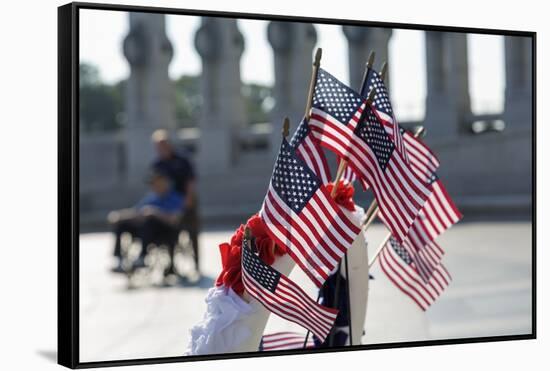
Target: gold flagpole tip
(420, 132)
(247, 233)
(383, 70)
(370, 61)
(318, 55)
(286, 126)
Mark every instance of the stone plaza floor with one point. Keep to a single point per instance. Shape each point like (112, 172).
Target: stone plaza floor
(491, 294)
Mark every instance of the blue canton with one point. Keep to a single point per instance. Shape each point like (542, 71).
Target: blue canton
(335, 98)
(381, 98)
(257, 269)
(401, 251)
(292, 179)
(299, 135)
(374, 135)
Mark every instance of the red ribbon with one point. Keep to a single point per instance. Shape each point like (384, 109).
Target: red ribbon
(344, 195)
(230, 275)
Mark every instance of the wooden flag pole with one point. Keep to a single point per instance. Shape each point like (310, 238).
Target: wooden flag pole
(286, 127)
(247, 236)
(246, 296)
(380, 248)
(284, 132)
(313, 81)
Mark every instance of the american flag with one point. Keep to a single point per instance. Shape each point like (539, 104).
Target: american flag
(349, 176)
(308, 148)
(300, 214)
(282, 296)
(285, 340)
(382, 108)
(438, 213)
(398, 265)
(338, 121)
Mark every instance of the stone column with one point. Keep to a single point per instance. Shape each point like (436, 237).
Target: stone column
(361, 41)
(448, 98)
(220, 45)
(519, 79)
(293, 52)
(149, 91)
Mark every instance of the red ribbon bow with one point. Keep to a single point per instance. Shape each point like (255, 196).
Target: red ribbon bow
(230, 275)
(344, 195)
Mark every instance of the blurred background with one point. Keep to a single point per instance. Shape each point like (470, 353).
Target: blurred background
(221, 87)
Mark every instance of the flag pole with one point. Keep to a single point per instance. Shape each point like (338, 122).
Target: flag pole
(284, 132)
(380, 248)
(313, 81)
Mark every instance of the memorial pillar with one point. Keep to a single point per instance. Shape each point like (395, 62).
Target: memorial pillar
(519, 80)
(149, 95)
(448, 99)
(220, 45)
(293, 52)
(361, 41)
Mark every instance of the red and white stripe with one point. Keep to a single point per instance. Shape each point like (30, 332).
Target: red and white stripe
(310, 151)
(423, 161)
(316, 238)
(349, 176)
(407, 278)
(425, 259)
(392, 128)
(290, 302)
(398, 191)
(285, 341)
(438, 214)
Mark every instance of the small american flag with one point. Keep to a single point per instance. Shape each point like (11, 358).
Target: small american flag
(398, 265)
(300, 214)
(285, 340)
(308, 148)
(382, 108)
(438, 213)
(282, 296)
(338, 121)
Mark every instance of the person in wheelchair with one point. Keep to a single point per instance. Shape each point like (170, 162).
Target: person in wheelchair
(155, 218)
(178, 167)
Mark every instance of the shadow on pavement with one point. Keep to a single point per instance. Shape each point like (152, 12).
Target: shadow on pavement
(50, 355)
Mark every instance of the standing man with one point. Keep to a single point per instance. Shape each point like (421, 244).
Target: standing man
(180, 170)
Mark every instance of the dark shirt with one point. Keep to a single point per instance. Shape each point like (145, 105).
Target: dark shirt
(179, 169)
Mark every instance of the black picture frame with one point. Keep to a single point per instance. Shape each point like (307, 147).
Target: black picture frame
(68, 183)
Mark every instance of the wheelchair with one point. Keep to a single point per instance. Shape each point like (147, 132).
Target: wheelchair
(168, 250)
